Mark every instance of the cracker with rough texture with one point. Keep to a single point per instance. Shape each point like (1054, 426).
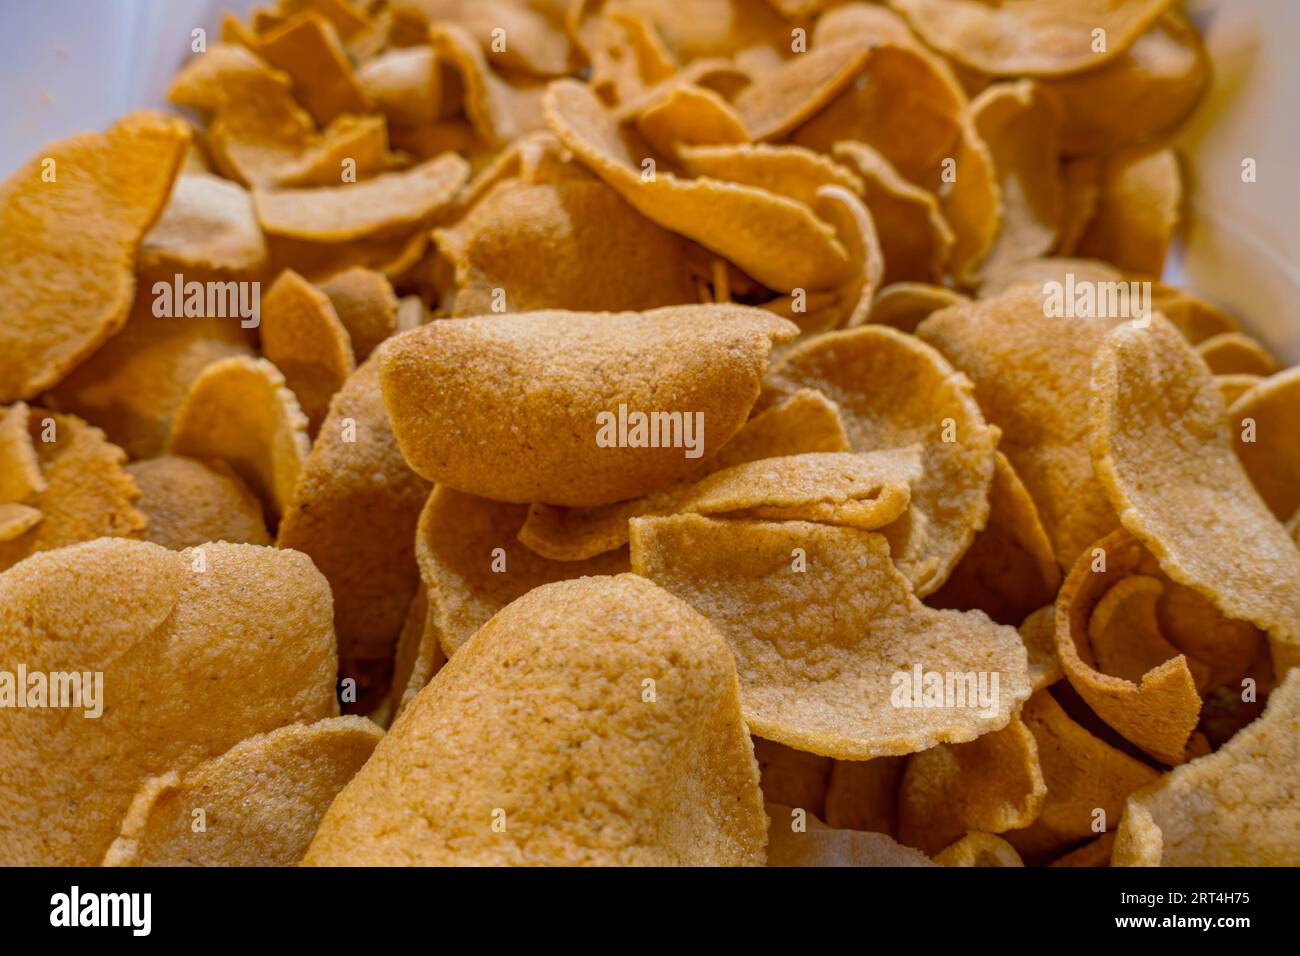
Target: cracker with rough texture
(1138, 209)
(992, 784)
(240, 411)
(548, 738)
(189, 502)
(514, 407)
(1031, 373)
(207, 224)
(366, 304)
(820, 651)
(20, 468)
(262, 799)
(1236, 353)
(979, 849)
(905, 305)
(71, 223)
(356, 469)
(740, 223)
(1030, 37)
(182, 681)
(87, 494)
(804, 423)
(1082, 774)
(1009, 570)
(303, 337)
(1156, 411)
(1272, 457)
(1239, 806)
(893, 391)
(819, 845)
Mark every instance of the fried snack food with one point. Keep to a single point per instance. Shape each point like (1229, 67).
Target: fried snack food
(1031, 374)
(1205, 524)
(639, 680)
(979, 849)
(1268, 413)
(992, 784)
(805, 423)
(188, 502)
(72, 221)
(180, 680)
(863, 794)
(1235, 807)
(827, 634)
(792, 777)
(240, 411)
(261, 800)
(82, 491)
(562, 379)
(355, 467)
(816, 844)
(874, 375)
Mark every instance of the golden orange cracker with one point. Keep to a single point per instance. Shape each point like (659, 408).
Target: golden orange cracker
(208, 224)
(915, 239)
(1009, 570)
(86, 495)
(20, 468)
(418, 655)
(641, 680)
(779, 101)
(1192, 624)
(1269, 415)
(351, 146)
(1196, 319)
(303, 337)
(355, 468)
(384, 207)
(979, 849)
(181, 679)
(1156, 410)
(1087, 782)
(1059, 269)
(366, 304)
(1145, 91)
(72, 221)
(1030, 371)
(993, 784)
(1030, 37)
(16, 520)
(865, 22)
(1239, 806)
(1157, 712)
(240, 411)
(894, 390)
(405, 84)
(866, 490)
(498, 111)
(628, 57)
(261, 800)
(904, 305)
(536, 41)
(1021, 125)
(133, 385)
(1080, 192)
(689, 115)
(804, 423)
(573, 244)
(856, 231)
(790, 171)
(1235, 385)
(742, 224)
(1093, 853)
(1039, 635)
(1237, 353)
(827, 634)
(308, 50)
(317, 262)
(796, 838)
(547, 429)
(792, 777)
(863, 794)
(473, 565)
(255, 127)
(1138, 209)
(189, 502)
(1124, 632)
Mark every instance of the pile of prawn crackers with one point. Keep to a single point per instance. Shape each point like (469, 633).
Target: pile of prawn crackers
(643, 432)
